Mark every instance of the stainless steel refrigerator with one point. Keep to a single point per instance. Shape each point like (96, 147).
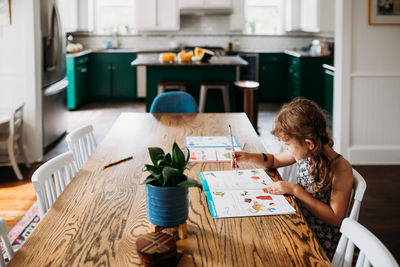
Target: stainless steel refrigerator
(54, 80)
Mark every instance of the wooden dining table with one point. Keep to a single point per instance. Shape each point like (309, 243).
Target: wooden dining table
(101, 213)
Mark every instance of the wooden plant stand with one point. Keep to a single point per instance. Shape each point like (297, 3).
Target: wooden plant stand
(181, 230)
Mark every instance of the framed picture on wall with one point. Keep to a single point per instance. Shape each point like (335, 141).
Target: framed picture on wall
(5, 12)
(384, 12)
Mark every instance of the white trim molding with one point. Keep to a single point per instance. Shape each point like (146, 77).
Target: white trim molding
(374, 155)
(375, 75)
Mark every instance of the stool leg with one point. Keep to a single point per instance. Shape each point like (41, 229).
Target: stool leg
(225, 95)
(203, 96)
(182, 231)
(21, 148)
(160, 90)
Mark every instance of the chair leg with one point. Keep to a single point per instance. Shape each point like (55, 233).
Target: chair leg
(13, 161)
(21, 148)
(225, 96)
(160, 90)
(203, 96)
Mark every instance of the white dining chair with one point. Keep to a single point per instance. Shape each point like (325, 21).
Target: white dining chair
(11, 137)
(6, 242)
(372, 250)
(81, 143)
(50, 179)
(357, 194)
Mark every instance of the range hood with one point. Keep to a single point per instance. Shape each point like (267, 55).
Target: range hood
(200, 11)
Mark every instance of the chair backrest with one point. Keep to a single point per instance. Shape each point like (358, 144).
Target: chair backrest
(372, 250)
(174, 102)
(359, 186)
(6, 242)
(16, 122)
(81, 143)
(50, 179)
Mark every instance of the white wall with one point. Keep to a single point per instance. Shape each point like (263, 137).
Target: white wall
(367, 87)
(20, 70)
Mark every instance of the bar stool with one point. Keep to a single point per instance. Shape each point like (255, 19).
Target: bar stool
(248, 88)
(218, 85)
(170, 85)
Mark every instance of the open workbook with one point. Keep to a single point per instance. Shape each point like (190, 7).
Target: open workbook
(211, 148)
(231, 195)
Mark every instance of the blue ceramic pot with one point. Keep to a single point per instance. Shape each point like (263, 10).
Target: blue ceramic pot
(167, 206)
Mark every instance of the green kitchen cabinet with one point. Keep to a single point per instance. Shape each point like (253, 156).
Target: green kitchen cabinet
(78, 77)
(305, 77)
(272, 77)
(112, 76)
(328, 82)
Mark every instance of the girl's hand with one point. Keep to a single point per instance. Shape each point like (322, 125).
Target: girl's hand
(240, 157)
(280, 188)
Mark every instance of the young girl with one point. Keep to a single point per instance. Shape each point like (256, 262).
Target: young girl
(324, 177)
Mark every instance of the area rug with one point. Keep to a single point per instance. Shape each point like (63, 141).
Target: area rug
(20, 232)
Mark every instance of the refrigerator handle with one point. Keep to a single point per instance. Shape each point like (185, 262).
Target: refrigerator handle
(56, 87)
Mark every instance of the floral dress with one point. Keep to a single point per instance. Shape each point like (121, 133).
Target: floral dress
(328, 236)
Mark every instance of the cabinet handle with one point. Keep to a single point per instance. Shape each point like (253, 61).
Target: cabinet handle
(84, 70)
(264, 68)
(113, 67)
(109, 67)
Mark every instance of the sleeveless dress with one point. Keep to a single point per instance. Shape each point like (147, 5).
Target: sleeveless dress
(328, 236)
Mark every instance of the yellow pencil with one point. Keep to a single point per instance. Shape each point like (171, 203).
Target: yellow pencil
(117, 162)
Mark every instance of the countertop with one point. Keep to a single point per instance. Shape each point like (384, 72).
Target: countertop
(79, 54)
(214, 61)
(300, 54)
(329, 67)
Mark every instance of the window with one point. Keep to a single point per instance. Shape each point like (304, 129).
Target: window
(264, 16)
(115, 16)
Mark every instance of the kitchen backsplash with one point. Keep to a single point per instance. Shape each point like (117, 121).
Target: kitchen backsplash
(163, 41)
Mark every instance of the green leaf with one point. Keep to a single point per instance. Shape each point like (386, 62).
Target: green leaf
(170, 175)
(168, 158)
(188, 155)
(163, 163)
(153, 170)
(178, 158)
(149, 180)
(155, 154)
(191, 183)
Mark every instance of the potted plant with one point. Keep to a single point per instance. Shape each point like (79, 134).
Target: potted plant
(167, 200)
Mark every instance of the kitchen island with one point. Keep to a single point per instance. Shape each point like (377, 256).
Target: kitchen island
(219, 68)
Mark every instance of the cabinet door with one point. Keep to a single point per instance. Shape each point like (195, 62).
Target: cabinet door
(146, 12)
(100, 76)
(273, 77)
(157, 15)
(82, 78)
(191, 4)
(68, 10)
(124, 77)
(217, 3)
(167, 15)
(293, 78)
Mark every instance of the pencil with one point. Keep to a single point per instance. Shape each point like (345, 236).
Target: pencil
(117, 162)
(233, 149)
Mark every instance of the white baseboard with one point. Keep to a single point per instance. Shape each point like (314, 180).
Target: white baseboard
(374, 155)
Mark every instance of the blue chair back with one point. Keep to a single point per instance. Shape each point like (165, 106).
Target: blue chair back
(174, 102)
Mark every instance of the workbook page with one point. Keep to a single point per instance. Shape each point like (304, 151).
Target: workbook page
(241, 193)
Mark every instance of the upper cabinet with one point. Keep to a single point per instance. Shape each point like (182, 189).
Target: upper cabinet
(205, 6)
(310, 15)
(76, 15)
(317, 15)
(157, 15)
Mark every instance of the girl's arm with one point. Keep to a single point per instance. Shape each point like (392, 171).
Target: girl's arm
(274, 160)
(332, 214)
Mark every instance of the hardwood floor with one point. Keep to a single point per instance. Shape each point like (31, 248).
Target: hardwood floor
(379, 211)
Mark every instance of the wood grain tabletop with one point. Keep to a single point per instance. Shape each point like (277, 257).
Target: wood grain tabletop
(101, 213)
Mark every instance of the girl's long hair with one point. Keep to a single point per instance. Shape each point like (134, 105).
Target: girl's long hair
(303, 119)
